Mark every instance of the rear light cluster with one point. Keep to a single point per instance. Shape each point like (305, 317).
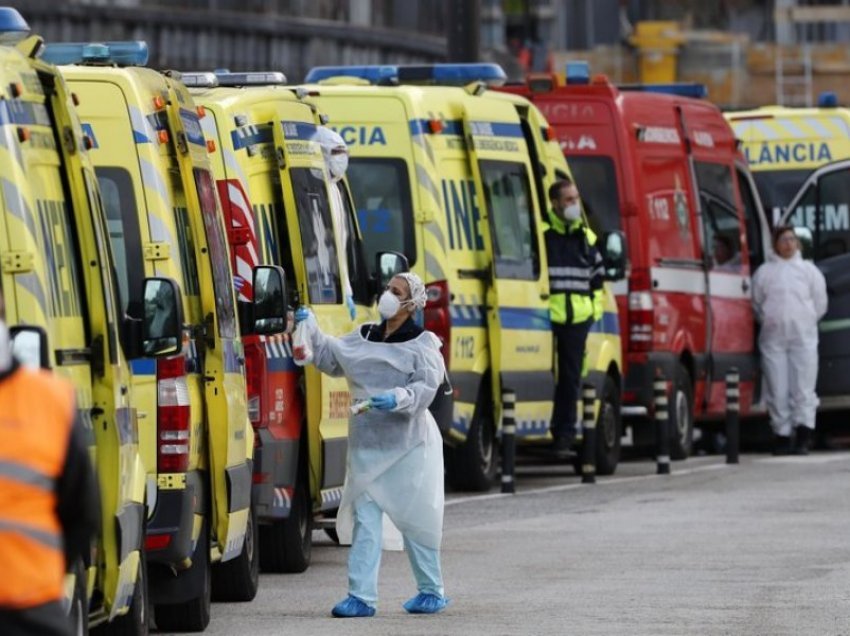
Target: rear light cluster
(641, 314)
(173, 415)
(437, 317)
(254, 375)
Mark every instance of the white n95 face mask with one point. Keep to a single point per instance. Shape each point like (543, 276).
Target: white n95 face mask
(388, 305)
(572, 212)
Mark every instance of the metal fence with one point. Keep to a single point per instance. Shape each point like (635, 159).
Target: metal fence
(186, 39)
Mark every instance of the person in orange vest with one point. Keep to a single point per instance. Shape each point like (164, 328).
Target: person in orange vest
(49, 503)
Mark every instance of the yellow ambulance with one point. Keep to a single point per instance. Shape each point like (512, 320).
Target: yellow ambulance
(62, 309)
(165, 221)
(785, 145)
(455, 177)
(274, 191)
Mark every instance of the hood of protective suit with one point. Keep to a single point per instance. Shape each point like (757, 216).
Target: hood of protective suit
(335, 152)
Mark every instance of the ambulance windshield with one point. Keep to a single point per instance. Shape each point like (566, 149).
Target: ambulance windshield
(777, 188)
(596, 179)
(381, 191)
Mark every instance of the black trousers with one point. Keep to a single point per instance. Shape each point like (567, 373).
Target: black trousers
(570, 341)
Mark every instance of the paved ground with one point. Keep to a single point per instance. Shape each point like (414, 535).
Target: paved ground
(759, 548)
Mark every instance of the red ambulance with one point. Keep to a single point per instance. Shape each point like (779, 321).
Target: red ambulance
(663, 166)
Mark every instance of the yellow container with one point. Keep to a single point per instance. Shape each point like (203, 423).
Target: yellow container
(657, 43)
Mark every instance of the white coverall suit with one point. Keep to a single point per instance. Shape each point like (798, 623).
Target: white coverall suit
(789, 297)
(395, 457)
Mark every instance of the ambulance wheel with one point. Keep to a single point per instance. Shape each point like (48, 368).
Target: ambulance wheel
(286, 545)
(135, 621)
(681, 407)
(238, 579)
(472, 466)
(608, 430)
(78, 611)
(194, 614)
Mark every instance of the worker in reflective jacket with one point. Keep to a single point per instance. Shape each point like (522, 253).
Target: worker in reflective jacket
(575, 302)
(49, 508)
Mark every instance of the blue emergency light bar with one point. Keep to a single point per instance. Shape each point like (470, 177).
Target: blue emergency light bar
(682, 89)
(133, 53)
(433, 74)
(828, 99)
(13, 27)
(577, 72)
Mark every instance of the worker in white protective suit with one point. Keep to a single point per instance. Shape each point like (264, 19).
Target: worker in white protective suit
(395, 451)
(335, 152)
(789, 297)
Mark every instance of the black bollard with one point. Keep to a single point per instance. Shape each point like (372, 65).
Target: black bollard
(588, 424)
(662, 427)
(733, 415)
(508, 440)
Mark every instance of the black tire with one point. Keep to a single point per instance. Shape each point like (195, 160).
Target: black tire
(608, 429)
(237, 580)
(286, 545)
(681, 412)
(194, 614)
(472, 466)
(136, 621)
(78, 611)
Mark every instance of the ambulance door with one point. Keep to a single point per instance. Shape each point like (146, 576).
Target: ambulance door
(310, 231)
(725, 254)
(823, 206)
(223, 360)
(520, 336)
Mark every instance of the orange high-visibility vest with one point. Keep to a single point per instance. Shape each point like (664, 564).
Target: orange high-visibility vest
(36, 415)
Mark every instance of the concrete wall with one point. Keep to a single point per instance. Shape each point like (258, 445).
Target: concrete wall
(199, 40)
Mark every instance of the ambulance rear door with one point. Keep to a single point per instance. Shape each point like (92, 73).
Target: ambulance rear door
(731, 334)
(823, 206)
(309, 228)
(223, 359)
(517, 302)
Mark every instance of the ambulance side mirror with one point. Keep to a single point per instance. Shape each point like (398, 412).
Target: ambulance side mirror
(29, 346)
(269, 305)
(387, 265)
(613, 249)
(162, 326)
(807, 241)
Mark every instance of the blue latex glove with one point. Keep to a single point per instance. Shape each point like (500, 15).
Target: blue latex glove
(352, 310)
(383, 402)
(301, 314)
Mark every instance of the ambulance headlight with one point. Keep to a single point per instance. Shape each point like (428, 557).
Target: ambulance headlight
(13, 27)
(133, 53)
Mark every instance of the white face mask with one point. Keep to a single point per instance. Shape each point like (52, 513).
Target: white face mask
(337, 165)
(5, 347)
(572, 212)
(388, 305)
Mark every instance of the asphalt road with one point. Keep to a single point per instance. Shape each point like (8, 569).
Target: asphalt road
(758, 548)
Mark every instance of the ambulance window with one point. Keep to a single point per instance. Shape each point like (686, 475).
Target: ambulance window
(777, 189)
(381, 190)
(318, 242)
(825, 209)
(751, 220)
(62, 257)
(219, 256)
(596, 179)
(357, 271)
(720, 215)
(508, 198)
(186, 245)
(119, 200)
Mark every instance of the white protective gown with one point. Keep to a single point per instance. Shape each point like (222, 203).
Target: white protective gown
(395, 456)
(789, 297)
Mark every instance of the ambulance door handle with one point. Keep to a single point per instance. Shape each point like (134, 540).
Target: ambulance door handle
(745, 286)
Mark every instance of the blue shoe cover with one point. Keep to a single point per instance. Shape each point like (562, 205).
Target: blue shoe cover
(352, 607)
(424, 603)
